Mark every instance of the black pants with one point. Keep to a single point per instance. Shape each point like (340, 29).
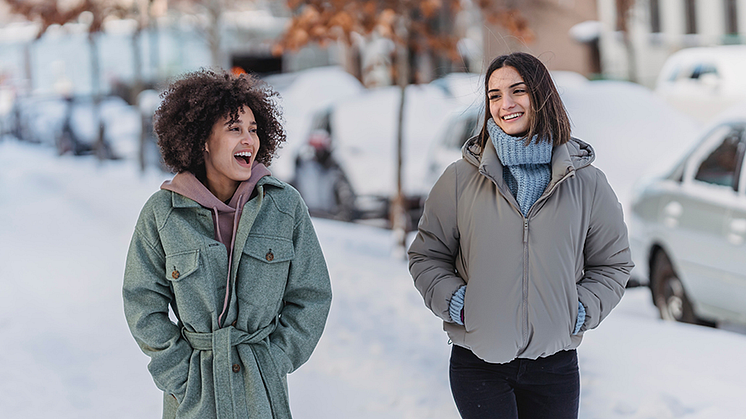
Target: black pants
(523, 388)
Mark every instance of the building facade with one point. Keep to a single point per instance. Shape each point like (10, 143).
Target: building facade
(658, 28)
(552, 23)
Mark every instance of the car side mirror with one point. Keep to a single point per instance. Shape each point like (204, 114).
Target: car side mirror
(710, 80)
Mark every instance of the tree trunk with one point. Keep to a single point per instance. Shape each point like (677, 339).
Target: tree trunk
(99, 145)
(27, 67)
(398, 213)
(136, 89)
(154, 50)
(631, 57)
(214, 10)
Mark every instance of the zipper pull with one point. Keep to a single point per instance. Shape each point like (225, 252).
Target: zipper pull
(525, 230)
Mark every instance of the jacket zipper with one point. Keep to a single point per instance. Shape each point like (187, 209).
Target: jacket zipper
(543, 197)
(525, 281)
(525, 259)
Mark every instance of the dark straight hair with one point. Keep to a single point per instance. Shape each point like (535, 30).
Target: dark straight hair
(549, 119)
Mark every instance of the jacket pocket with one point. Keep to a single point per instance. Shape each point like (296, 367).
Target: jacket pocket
(181, 265)
(270, 250)
(265, 267)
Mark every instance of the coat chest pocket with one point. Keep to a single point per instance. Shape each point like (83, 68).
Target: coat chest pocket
(264, 268)
(180, 265)
(189, 283)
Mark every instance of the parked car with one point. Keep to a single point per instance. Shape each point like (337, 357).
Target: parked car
(688, 229)
(303, 94)
(348, 165)
(68, 124)
(704, 81)
(462, 124)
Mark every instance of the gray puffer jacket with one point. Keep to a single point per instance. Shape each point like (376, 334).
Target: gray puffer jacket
(524, 276)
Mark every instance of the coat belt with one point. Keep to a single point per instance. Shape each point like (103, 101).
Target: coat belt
(220, 343)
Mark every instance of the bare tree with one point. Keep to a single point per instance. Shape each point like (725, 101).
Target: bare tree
(623, 17)
(57, 12)
(410, 24)
(212, 11)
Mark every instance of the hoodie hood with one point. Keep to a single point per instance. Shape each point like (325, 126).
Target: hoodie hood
(225, 215)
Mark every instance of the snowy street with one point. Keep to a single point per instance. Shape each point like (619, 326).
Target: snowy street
(67, 351)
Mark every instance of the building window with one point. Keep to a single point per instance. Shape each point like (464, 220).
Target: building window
(690, 15)
(655, 16)
(731, 17)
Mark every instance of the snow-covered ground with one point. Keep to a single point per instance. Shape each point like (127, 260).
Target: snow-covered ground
(67, 353)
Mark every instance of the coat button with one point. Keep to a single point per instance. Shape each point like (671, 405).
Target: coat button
(236, 368)
(270, 256)
(175, 274)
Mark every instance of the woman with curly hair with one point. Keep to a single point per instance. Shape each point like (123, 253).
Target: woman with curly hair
(231, 250)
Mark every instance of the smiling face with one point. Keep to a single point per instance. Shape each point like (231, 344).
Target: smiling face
(509, 101)
(229, 153)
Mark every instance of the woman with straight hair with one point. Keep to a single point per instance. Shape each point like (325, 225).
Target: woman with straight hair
(521, 249)
(230, 250)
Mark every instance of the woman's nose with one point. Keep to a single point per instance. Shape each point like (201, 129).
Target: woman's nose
(508, 102)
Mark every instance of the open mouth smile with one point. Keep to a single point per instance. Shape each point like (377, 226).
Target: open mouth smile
(512, 116)
(243, 157)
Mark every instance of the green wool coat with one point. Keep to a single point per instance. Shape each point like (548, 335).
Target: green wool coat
(279, 299)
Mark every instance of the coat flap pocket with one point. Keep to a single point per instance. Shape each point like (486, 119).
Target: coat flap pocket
(269, 249)
(182, 264)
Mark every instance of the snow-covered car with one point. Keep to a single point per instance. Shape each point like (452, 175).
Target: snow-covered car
(462, 124)
(688, 229)
(348, 165)
(704, 81)
(69, 124)
(302, 95)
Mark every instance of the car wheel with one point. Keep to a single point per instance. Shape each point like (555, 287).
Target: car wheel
(668, 292)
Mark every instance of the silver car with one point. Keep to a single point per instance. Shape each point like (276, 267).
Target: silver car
(688, 231)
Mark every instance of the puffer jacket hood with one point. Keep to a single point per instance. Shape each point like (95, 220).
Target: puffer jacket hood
(524, 275)
(580, 153)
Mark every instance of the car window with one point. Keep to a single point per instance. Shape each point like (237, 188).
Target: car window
(720, 167)
(702, 69)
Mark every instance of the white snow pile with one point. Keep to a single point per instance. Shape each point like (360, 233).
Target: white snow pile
(67, 351)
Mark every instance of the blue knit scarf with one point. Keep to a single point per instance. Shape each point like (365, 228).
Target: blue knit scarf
(526, 168)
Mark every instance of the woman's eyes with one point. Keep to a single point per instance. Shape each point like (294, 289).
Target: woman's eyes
(515, 92)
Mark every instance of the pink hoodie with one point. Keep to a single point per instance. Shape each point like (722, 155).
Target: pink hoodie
(224, 216)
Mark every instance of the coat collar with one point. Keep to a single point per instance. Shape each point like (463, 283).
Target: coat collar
(180, 201)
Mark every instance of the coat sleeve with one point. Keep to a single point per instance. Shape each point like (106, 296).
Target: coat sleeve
(307, 298)
(607, 256)
(147, 295)
(433, 253)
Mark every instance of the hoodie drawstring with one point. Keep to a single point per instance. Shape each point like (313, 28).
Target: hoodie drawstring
(236, 216)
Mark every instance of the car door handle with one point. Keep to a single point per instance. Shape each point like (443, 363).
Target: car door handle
(673, 209)
(738, 225)
(737, 231)
(671, 213)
